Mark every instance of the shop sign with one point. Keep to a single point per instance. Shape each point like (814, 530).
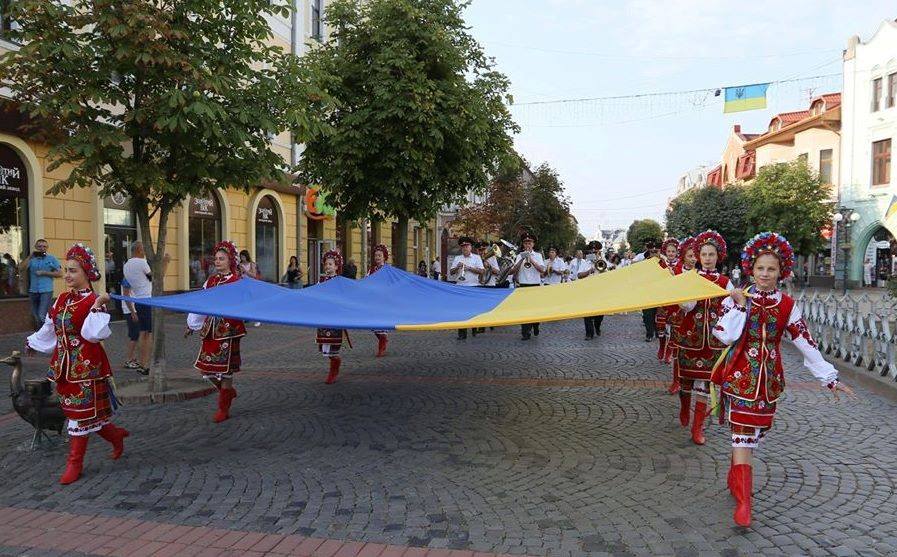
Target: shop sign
(13, 177)
(316, 207)
(204, 208)
(117, 200)
(264, 214)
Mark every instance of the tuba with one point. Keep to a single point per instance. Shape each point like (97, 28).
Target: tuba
(505, 262)
(493, 251)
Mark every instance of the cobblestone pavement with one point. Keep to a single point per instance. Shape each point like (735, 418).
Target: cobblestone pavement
(555, 446)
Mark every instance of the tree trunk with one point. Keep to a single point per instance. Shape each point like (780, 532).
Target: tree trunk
(400, 259)
(155, 253)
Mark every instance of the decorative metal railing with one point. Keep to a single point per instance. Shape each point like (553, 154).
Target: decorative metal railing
(858, 329)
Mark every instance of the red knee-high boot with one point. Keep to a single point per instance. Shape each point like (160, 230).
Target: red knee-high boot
(684, 408)
(225, 397)
(661, 350)
(697, 425)
(674, 386)
(116, 436)
(382, 341)
(334, 370)
(75, 462)
(743, 482)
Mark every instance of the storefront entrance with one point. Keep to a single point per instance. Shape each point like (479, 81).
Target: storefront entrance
(879, 259)
(121, 233)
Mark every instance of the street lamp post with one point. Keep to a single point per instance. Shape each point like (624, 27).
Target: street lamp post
(844, 219)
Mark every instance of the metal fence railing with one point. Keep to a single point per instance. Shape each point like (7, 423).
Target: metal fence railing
(858, 329)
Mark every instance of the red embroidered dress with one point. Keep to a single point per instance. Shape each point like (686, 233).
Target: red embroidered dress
(697, 348)
(79, 366)
(753, 379)
(219, 354)
(371, 270)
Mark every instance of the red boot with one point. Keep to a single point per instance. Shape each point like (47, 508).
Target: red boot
(225, 397)
(116, 436)
(334, 370)
(684, 408)
(674, 387)
(75, 462)
(742, 481)
(661, 350)
(729, 477)
(697, 425)
(382, 341)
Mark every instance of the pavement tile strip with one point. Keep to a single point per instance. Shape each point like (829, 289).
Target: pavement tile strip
(66, 534)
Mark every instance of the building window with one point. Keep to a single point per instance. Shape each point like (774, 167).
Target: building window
(892, 90)
(876, 94)
(204, 231)
(13, 222)
(267, 234)
(825, 166)
(881, 162)
(317, 25)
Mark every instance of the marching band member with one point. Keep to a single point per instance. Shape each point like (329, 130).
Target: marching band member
(73, 330)
(649, 314)
(685, 263)
(527, 272)
(574, 265)
(331, 340)
(698, 349)
(467, 267)
(555, 268)
(219, 353)
(381, 256)
(490, 264)
(669, 253)
(752, 378)
(587, 268)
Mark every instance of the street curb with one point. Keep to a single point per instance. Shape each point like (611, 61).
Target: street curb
(174, 395)
(879, 385)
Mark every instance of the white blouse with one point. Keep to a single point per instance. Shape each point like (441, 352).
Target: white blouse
(95, 329)
(731, 325)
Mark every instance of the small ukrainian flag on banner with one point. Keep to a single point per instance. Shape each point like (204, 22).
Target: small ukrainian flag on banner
(745, 97)
(892, 209)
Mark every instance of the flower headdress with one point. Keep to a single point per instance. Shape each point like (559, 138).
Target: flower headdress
(669, 242)
(685, 245)
(381, 248)
(230, 249)
(86, 258)
(712, 238)
(772, 243)
(337, 259)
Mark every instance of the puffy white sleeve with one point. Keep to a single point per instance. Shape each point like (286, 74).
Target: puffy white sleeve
(813, 360)
(688, 306)
(96, 327)
(195, 321)
(43, 340)
(729, 327)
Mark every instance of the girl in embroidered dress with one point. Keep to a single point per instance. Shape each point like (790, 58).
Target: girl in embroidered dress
(219, 353)
(331, 340)
(72, 331)
(669, 253)
(381, 256)
(752, 378)
(684, 262)
(697, 348)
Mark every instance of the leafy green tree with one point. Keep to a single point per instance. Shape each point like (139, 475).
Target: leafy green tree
(422, 115)
(723, 210)
(159, 100)
(640, 231)
(547, 211)
(789, 198)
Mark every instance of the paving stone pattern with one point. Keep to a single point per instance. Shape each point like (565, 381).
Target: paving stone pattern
(554, 446)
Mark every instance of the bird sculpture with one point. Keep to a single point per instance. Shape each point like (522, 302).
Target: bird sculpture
(34, 400)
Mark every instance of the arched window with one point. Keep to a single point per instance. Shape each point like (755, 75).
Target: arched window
(204, 231)
(267, 233)
(14, 241)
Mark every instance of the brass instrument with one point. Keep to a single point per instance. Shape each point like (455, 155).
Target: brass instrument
(493, 251)
(600, 265)
(506, 262)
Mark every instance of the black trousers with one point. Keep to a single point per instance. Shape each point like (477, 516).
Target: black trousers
(593, 325)
(648, 316)
(527, 328)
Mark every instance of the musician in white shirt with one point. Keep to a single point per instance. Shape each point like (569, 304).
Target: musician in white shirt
(587, 269)
(527, 272)
(490, 264)
(575, 265)
(555, 268)
(467, 268)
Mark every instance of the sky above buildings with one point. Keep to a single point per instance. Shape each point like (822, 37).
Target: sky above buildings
(620, 158)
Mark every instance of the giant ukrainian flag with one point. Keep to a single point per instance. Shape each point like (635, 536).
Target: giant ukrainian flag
(394, 299)
(745, 97)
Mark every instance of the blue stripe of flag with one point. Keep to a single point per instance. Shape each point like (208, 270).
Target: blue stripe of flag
(746, 92)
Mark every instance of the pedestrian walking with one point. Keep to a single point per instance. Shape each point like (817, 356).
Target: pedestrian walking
(42, 268)
(697, 348)
(137, 272)
(248, 267)
(133, 324)
(294, 273)
(73, 332)
(436, 269)
(752, 379)
(422, 269)
(219, 354)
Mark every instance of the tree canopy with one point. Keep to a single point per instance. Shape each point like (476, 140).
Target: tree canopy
(421, 116)
(640, 231)
(723, 210)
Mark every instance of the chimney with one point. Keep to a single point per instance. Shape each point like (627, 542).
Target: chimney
(737, 128)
